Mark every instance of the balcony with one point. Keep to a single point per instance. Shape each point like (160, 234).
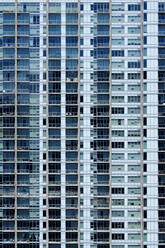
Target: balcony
(71, 205)
(101, 205)
(72, 217)
(71, 193)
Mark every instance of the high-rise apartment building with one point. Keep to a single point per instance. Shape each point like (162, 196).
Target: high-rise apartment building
(82, 124)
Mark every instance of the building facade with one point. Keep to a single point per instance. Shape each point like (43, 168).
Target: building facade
(82, 124)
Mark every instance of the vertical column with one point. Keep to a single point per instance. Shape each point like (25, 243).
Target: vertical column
(15, 138)
(42, 116)
(28, 154)
(63, 124)
(54, 108)
(86, 91)
(8, 115)
(79, 158)
(110, 121)
(46, 190)
(141, 122)
(72, 125)
(151, 124)
(101, 125)
(161, 120)
(134, 122)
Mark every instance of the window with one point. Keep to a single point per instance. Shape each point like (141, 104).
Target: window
(103, 30)
(118, 7)
(134, 144)
(71, 30)
(135, 236)
(133, 87)
(117, 133)
(117, 236)
(133, 75)
(134, 110)
(117, 213)
(118, 87)
(71, 18)
(135, 99)
(117, 191)
(145, 17)
(71, 41)
(134, 19)
(133, 7)
(117, 110)
(117, 122)
(118, 19)
(117, 144)
(161, 6)
(117, 41)
(134, 41)
(81, 53)
(134, 64)
(118, 30)
(134, 191)
(117, 225)
(133, 30)
(117, 76)
(100, 7)
(117, 168)
(117, 53)
(81, 7)
(54, 18)
(117, 246)
(117, 64)
(54, 30)
(101, 53)
(117, 202)
(133, 133)
(103, 18)
(145, 40)
(71, 7)
(54, 41)
(101, 41)
(36, 19)
(8, 18)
